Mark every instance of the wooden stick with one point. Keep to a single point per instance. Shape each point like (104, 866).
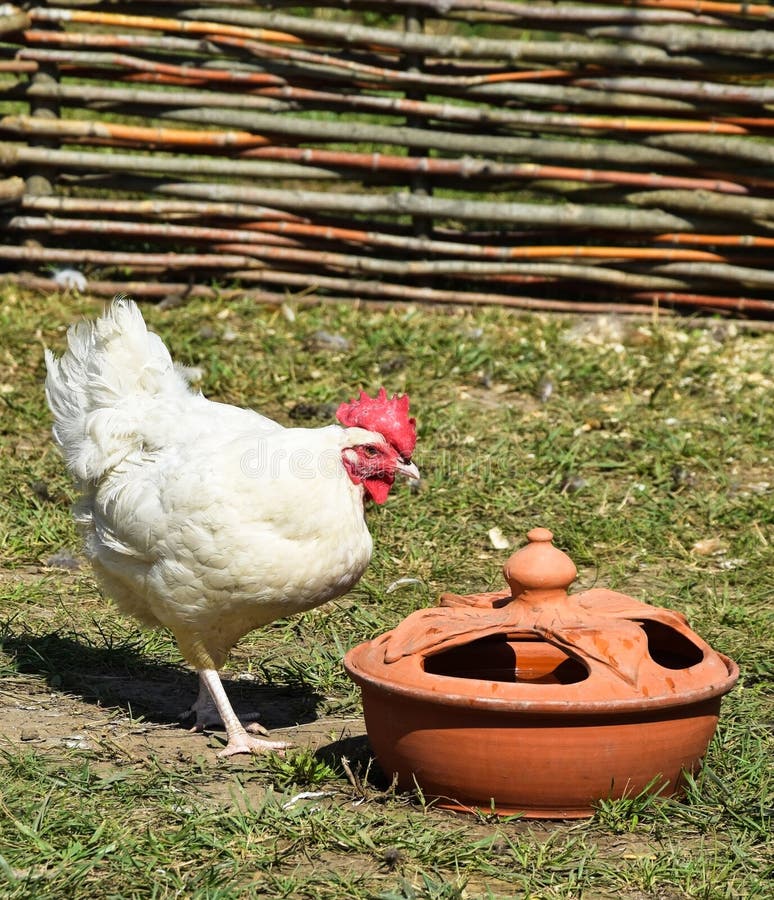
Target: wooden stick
(758, 152)
(562, 12)
(439, 112)
(185, 291)
(407, 293)
(18, 154)
(756, 278)
(185, 74)
(587, 52)
(468, 168)
(116, 134)
(679, 38)
(162, 261)
(275, 222)
(751, 241)
(708, 203)
(265, 247)
(533, 214)
(709, 301)
(300, 129)
(259, 215)
(714, 6)
(167, 230)
(154, 23)
(677, 87)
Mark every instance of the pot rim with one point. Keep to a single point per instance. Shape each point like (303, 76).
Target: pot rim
(420, 692)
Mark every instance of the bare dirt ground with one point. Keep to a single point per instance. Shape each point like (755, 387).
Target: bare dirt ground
(130, 708)
(32, 713)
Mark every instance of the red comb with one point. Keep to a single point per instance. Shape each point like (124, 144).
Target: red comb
(389, 417)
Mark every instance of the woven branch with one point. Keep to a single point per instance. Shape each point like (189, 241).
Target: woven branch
(480, 116)
(401, 204)
(195, 130)
(473, 86)
(143, 43)
(164, 261)
(451, 46)
(158, 208)
(262, 248)
(469, 168)
(706, 203)
(46, 14)
(15, 154)
(755, 278)
(185, 74)
(272, 223)
(330, 162)
(122, 97)
(702, 91)
(109, 132)
(677, 38)
(425, 139)
(184, 292)
(728, 147)
(664, 10)
(409, 293)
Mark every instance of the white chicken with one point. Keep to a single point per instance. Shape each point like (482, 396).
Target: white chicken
(208, 519)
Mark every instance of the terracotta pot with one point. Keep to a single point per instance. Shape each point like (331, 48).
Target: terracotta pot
(537, 701)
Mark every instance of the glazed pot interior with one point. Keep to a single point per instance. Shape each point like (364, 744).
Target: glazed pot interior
(668, 648)
(502, 657)
(528, 659)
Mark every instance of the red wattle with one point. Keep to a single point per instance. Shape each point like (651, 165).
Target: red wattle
(377, 489)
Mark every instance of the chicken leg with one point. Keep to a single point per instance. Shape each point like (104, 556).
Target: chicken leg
(206, 714)
(239, 740)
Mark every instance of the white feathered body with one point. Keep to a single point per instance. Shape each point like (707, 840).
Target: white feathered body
(202, 517)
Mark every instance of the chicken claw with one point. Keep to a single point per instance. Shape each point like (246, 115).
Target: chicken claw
(239, 741)
(206, 714)
(246, 743)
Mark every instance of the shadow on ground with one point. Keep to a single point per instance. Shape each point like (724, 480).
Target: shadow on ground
(161, 692)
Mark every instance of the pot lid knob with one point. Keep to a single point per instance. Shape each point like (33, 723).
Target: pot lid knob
(539, 567)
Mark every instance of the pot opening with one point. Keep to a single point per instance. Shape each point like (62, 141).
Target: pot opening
(524, 659)
(668, 648)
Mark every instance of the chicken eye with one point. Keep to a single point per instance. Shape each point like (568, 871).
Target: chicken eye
(370, 450)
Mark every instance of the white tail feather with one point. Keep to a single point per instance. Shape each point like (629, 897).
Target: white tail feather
(99, 389)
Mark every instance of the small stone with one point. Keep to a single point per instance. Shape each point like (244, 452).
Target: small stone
(70, 280)
(399, 583)
(288, 313)
(681, 478)
(313, 411)
(572, 483)
(712, 546)
(325, 340)
(395, 364)
(29, 734)
(391, 857)
(544, 389)
(40, 490)
(497, 539)
(63, 559)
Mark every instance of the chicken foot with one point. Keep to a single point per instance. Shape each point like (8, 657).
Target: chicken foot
(206, 714)
(239, 741)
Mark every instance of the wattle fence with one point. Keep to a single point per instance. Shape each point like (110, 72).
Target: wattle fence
(538, 155)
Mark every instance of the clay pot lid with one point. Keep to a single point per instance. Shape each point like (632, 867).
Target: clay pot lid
(620, 653)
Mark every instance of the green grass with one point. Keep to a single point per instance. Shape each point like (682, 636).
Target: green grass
(655, 440)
